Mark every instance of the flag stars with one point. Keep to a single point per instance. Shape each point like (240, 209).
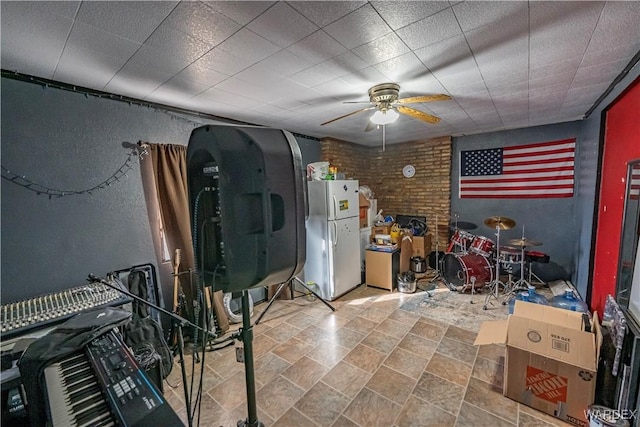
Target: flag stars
(482, 162)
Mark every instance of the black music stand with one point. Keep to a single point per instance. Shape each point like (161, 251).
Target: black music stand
(281, 287)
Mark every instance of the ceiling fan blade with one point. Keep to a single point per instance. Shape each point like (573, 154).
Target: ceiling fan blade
(417, 114)
(347, 115)
(424, 98)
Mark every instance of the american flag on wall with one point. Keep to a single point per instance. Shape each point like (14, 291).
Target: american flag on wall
(541, 170)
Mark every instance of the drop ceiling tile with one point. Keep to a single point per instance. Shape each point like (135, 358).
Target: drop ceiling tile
(224, 62)
(28, 51)
(316, 48)
(88, 68)
(165, 62)
(248, 44)
(557, 90)
(402, 68)
(133, 20)
(617, 14)
(583, 95)
(136, 82)
(262, 93)
(561, 30)
(323, 13)
(224, 99)
(594, 56)
(242, 12)
(448, 56)
(270, 24)
(37, 10)
(84, 36)
(168, 39)
(315, 75)
(177, 88)
(364, 78)
(430, 30)
(599, 73)
(399, 14)
(382, 49)
(569, 65)
(346, 62)
(368, 23)
(202, 75)
(473, 14)
(201, 22)
(283, 63)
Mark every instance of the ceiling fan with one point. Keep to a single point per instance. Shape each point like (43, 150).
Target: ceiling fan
(384, 98)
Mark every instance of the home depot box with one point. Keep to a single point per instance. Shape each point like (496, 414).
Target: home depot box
(380, 229)
(551, 359)
(421, 246)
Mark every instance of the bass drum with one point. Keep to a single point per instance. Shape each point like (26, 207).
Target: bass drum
(459, 269)
(233, 317)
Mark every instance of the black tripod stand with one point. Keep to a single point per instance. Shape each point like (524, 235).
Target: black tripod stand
(290, 283)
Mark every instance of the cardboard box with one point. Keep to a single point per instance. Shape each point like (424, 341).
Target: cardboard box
(421, 246)
(551, 361)
(364, 209)
(380, 229)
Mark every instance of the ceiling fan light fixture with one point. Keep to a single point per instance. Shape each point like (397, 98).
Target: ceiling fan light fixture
(384, 117)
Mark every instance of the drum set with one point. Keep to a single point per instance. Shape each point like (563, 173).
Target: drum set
(472, 262)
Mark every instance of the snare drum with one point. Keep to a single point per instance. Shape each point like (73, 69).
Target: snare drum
(509, 255)
(482, 246)
(459, 269)
(461, 239)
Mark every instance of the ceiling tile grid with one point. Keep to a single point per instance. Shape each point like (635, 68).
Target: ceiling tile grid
(507, 64)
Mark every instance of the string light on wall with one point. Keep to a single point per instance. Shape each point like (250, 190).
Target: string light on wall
(136, 153)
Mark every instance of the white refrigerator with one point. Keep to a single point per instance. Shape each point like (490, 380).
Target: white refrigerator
(333, 237)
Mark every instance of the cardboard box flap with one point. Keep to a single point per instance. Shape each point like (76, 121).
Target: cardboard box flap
(548, 314)
(568, 345)
(598, 331)
(492, 332)
(364, 202)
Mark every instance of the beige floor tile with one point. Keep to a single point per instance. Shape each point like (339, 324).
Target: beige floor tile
(327, 353)
(305, 373)
(458, 350)
(489, 397)
(276, 397)
(449, 369)
(382, 342)
(417, 412)
(391, 384)
(471, 416)
(322, 404)
(365, 358)
(346, 378)
(421, 346)
(407, 363)
(439, 392)
(370, 409)
(293, 349)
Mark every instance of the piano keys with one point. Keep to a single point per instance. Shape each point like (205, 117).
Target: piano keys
(103, 386)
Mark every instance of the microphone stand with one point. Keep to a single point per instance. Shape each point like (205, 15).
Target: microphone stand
(180, 321)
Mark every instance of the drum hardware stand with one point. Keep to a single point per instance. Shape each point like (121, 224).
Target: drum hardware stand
(290, 283)
(181, 322)
(494, 286)
(438, 277)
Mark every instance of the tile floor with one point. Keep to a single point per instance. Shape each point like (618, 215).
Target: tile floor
(381, 359)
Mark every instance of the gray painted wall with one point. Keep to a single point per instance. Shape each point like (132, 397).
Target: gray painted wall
(551, 221)
(66, 140)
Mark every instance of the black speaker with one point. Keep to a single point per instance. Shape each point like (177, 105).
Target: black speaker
(248, 205)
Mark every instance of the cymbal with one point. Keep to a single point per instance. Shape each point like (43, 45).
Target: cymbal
(461, 224)
(465, 225)
(524, 242)
(500, 221)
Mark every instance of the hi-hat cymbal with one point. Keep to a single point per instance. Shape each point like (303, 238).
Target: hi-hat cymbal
(500, 221)
(464, 225)
(524, 242)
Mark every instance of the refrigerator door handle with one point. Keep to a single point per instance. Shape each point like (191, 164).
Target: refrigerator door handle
(335, 207)
(335, 236)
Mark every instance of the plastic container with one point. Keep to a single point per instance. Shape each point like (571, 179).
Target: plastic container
(522, 296)
(568, 301)
(535, 297)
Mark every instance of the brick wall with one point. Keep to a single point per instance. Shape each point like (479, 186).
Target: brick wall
(429, 191)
